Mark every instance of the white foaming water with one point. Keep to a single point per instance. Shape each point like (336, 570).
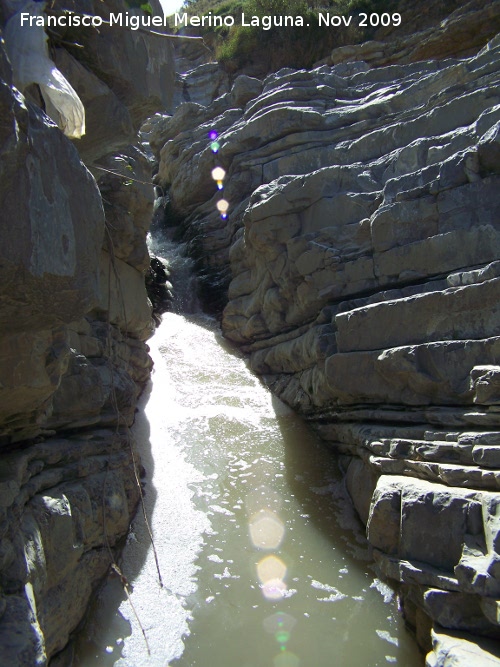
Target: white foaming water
(182, 275)
(259, 550)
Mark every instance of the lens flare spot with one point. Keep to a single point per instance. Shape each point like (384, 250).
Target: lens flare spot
(286, 659)
(278, 622)
(271, 572)
(282, 636)
(212, 135)
(266, 530)
(274, 589)
(222, 205)
(215, 146)
(270, 567)
(218, 174)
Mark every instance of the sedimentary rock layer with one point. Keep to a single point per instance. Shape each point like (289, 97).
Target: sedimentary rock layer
(74, 318)
(460, 34)
(360, 268)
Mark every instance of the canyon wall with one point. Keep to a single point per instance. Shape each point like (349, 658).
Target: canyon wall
(74, 320)
(359, 269)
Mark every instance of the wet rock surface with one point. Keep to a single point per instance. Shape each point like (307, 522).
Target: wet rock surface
(359, 270)
(74, 319)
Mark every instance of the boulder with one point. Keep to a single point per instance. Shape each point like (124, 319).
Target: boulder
(461, 650)
(201, 85)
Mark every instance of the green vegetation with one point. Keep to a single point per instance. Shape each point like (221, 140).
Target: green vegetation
(241, 46)
(140, 4)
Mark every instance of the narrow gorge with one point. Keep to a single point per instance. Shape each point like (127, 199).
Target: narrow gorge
(357, 270)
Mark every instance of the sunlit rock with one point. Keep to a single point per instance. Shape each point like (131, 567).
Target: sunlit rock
(358, 269)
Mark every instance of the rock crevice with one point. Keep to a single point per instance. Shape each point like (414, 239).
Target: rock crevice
(359, 272)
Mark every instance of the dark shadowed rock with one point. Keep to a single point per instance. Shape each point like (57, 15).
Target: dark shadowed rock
(74, 317)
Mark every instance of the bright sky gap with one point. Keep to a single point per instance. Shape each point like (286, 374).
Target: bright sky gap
(171, 6)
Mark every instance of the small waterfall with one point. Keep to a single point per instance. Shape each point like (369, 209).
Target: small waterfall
(263, 560)
(183, 279)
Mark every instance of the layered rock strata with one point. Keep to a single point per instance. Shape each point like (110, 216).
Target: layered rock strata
(459, 34)
(74, 320)
(360, 268)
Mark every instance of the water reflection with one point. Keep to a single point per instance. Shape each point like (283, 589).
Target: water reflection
(287, 514)
(259, 548)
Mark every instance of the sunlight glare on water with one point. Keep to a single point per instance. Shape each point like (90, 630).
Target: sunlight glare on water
(263, 560)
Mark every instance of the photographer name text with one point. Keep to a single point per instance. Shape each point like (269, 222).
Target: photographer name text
(148, 22)
(282, 21)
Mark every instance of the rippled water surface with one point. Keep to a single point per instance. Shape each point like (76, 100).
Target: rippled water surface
(262, 559)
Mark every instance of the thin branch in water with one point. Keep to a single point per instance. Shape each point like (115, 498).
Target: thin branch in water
(125, 178)
(126, 586)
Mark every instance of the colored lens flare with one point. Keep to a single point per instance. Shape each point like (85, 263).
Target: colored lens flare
(279, 621)
(266, 530)
(286, 659)
(222, 205)
(218, 174)
(281, 625)
(282, 636)
(271, 572)
(274, 589)
(271, 567)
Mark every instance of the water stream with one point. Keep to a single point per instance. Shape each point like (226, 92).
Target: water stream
(263, 561)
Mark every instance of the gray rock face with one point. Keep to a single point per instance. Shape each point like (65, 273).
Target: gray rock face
(363, 254)
(462, 33)
(51, 239)
(200, 85)
(122, 76)
(64, 503)
(74, 318)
